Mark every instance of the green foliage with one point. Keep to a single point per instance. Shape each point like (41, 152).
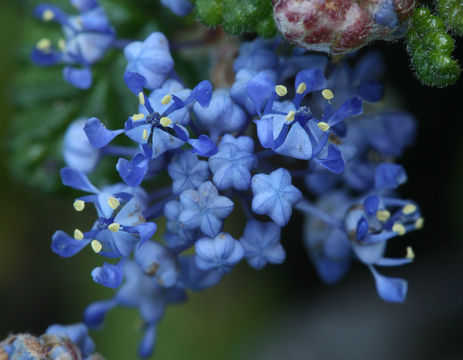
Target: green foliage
(237, 16)
(452, 13)
(430, 48)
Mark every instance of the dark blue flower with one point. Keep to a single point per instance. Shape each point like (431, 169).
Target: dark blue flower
(232, 164)
(220, 253)
(261, 243)
(274, 195)
(204, 209)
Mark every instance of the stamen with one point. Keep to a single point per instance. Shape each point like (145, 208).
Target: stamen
(96, 246)
(145, 134)
(410, 254)
(399, 229)
(166, 99)
(409, 209)
(327, 94)
(79, 21)
(323, 126)
(290, 116)
(79, 205)
(419, 223)
(113, 203)
(136, 117)
(44, 45)
(281, 90)
(141, 98)
(114, 227)
(165, 121)
(383, 215)
(301, 88)
(48, 15)
(62, 44)
(78, 235)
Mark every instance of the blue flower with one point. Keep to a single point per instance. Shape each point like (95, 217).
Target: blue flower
(179, 7)
(261, 243)
(187, 172)
(329, 247)
(221, 116)
(158, 262)
(177, 236)
(257, 55)
(112, 235)
(151, 59)
(290, 129)
(156, 133)
(87, 38)
(204, 209)
(232, 164)
(220, 253)
(274, 195)
(195, 278)
(78, 153)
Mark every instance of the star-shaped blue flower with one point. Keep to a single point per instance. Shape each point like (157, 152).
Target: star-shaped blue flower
(204, 209)
(187, 172)
(261, 243)
(274, 195)
(232, 164)
(220, 253)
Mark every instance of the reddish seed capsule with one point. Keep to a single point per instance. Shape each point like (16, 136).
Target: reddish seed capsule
(340, 26)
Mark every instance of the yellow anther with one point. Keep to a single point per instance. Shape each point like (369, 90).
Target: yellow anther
(399, 229)
(48, 15)
(62, 44)
(165, 121)
(290, 116)
(301, 88)
(419, 223)
(78, 235)
(79, 205)
(145, 134)
(96, 246)
(410, 254)
(383, 215)
(409, 209)
(136, 117)
(281, 90)
(79, 21)
(166, 99)
(44, 45)
(114, 227)
(323, 126)
(113, 203)
(327, 94)
(141, 98)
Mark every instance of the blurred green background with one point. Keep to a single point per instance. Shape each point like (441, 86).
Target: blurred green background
(279, 312)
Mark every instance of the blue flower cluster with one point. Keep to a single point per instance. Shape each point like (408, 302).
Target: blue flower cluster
(87, 37)
(293, 126)
(59, 342)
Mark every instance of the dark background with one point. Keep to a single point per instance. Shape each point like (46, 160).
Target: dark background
(279, 312)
